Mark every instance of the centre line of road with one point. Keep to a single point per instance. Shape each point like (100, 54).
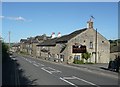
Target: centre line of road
(56, 71)
(68, 82)
(69, 77)
(42, 65)
(35, 65)
(46, 70)
(51, 68)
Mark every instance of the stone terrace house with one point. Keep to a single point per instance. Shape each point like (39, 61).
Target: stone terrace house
(29, 45)
(22, 45)
(16, 47)
(69, 47)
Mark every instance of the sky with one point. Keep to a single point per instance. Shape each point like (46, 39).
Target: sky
(29, 19)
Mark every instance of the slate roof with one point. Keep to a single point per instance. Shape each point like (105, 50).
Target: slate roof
(66, 38)
(49, 42)
(115, 49)
(23, 40)
(42, 37)
(16, 45)
(31, 40)
(62, 39)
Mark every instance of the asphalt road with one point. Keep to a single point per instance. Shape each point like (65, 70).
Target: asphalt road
(41, 72)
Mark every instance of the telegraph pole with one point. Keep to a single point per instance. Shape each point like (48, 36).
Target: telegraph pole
(96, 46)
(9, 39)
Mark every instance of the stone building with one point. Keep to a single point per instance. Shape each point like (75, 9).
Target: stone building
(28, 45)
(114, 52)
(22, 45)
(16, 47)
(69, 47)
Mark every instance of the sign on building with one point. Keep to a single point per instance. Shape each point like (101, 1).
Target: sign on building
(78, 49)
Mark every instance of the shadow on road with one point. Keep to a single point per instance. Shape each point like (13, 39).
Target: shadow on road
(104, 68)
(113, 70)
(13, 75)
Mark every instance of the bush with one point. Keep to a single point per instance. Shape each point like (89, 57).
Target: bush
(5, 54)
(78, 61)
(24, 53)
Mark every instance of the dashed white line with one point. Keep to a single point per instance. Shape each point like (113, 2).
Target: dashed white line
(42, 65)
(69, 77)
(46, 70)
(36, 65)
(51, 68)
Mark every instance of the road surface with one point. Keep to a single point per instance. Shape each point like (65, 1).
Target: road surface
(41, 72)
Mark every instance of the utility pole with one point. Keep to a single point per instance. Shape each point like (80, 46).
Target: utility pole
(96, 46)
(9, 40)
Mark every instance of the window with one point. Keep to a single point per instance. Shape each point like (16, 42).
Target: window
(77, 57)
(102, 41)
(91, 45)
(62, 57)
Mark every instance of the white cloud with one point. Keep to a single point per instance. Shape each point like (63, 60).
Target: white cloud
(19, 18)
(1, 17)
(16, 18)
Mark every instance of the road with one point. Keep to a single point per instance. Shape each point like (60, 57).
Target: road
(41, 72)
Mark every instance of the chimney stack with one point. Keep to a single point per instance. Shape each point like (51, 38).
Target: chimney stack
(53, 35)
(59, 34)
(90, 24)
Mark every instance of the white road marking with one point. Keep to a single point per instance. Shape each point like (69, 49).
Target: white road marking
(33, 61)
(73, 77)
(89, 70)
(68, 82)
(36, 65)
(55, 71)
(42, 65)
(69, 77)
(86, 81)
(43, 68)
(51, 68)
(30, 61)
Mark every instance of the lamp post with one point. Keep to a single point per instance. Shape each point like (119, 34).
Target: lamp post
(9, 39)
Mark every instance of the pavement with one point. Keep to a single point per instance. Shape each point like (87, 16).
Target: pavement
(103, 67)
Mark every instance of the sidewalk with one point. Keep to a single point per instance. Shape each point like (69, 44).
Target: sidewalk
(98, 68)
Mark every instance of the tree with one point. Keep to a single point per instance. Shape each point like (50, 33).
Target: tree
(5, 54)
(86, 55)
